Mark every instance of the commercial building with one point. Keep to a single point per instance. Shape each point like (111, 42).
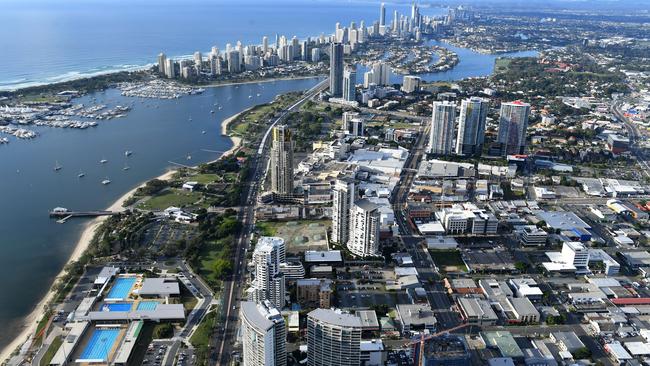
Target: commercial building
(416, 317)
(364, 228)
(468, 219)
(263, 333)
(282, 160)
(442, 128)
(372, 353)
(333, 338)
(513, 122)
(471, 126)
(574, 257)
(343, 196)
(446, 350)
(476, 311)
(269, 282)
(336, 70)
(566, 341)
(532, 236)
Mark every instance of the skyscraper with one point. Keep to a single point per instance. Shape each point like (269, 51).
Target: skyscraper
(343, 196)
(264, 335)
(513, 122)
(349, 82)
(336, 70)
(234, 64)
(170, 71)
(333, 338)
(269, 281)
(198, 60)
(395, 21)
(265, 44)
(364, 228)
(282, 160)
(382, 14)
(215, 64)
(442, 128)
(162, 60)
(471, 126)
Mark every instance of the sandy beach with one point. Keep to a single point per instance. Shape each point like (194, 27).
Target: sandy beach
(31, 321)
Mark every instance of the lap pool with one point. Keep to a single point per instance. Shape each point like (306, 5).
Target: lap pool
(147, 305)
(99, 345)
(118, 306)
(121, 288)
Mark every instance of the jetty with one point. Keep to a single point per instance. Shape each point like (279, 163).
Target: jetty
(63, 214)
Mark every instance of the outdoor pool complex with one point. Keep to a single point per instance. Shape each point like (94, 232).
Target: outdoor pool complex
(121, 288)
(118, 306)
(99, 345)
(147, 305)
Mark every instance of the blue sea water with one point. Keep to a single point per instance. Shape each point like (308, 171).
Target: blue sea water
(43, 41)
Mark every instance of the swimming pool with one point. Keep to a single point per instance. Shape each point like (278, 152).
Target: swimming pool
(121, 288)
(118, 306)
(100, 344)
(147, 305)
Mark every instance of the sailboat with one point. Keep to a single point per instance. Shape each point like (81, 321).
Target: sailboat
(57, 167)
(103, 161)
(126, 167)
(188, 157)
(128, 153)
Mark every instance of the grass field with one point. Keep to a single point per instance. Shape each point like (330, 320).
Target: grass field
(212, 253)
(205, 178)
(201, 338)
(51, 351)
(446, 260)
(267, 228)
(173, 197)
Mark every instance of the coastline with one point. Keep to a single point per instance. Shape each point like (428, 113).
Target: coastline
(30, 322)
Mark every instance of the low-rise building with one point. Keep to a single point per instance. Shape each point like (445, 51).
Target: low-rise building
(416, 317)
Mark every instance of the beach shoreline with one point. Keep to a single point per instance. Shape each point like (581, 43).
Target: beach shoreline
(30, 322)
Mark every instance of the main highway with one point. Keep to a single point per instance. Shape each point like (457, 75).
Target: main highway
(226, 333)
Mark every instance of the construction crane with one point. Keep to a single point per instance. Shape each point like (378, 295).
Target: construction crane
(424, 338)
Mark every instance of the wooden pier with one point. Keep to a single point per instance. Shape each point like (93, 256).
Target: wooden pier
(63, 214)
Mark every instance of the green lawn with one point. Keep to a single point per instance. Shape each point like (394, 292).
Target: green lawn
(267, 228)
(448, 258)
(205, 178)
(201, 338)
(501, 64)
(170, 198)
(212, 253)
(51, 351)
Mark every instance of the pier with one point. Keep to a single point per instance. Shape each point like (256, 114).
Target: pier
(63, 214)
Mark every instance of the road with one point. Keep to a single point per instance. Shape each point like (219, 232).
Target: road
(634, 135)
(222, 343)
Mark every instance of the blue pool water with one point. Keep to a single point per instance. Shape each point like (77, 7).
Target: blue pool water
(100, 344)
(147, 305)
(121, 288)
(118, 306)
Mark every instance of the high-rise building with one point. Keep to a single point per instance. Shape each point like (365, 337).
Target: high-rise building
(349, 83)
(333, 338)
(264, 335)
(269, 281)
(198, 60)
(304, 51)
(381, 73)
(442, 128)
(513, 122)
(336, 70)
(315, 55)
(471, 126)
(364, 228)
(343, 196)
(395, 21)
(265, 44)
(234, 64)
(282, 160)
(170, 72)
(215, 65)
(411, 83)
(382, 14)
(162, 60)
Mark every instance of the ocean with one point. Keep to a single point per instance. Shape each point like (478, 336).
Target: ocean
(48, 41)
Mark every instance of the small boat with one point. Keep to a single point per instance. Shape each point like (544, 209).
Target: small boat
(212, 111)
(126, 167)
(220, 107)
(128, 153)
(258, 94)
(190, 119)
(103, 161)
(203, 132)
(57, 167)
(106, 181)
(250, 96)
(188, 157)
(81, 175)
